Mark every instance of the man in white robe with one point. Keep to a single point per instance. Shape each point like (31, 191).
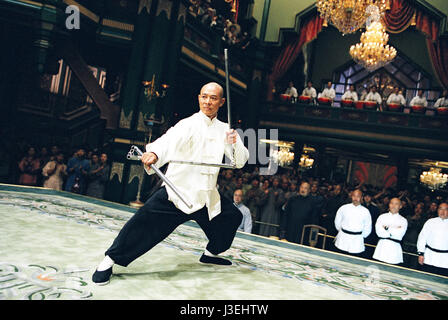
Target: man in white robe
(353, 223)
(309, 91)
(443, 100)
(432, 243)
(199, 138)
(350, 94)
(374, 96)
(396, 97)
(390, 228)
(328, 92)
(419, 99)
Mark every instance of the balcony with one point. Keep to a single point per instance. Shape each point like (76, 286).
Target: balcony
(403, 133)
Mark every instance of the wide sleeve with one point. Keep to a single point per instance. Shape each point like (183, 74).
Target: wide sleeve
(169, 143)
(403, 100)
(379, 228)
(367, 224)
(397, 232)
(389, 99)
(238, 152)
(423, 237)
(379, 99)
(338, 218)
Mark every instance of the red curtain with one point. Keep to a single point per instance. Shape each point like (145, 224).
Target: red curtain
(438, 52)
(428, 26)
(309, 30)
(399, 17)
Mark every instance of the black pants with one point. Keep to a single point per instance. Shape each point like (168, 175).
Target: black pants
(158, 218)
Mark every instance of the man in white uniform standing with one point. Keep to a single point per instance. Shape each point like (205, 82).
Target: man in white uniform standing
(432, 243)
(353, 223)
(199, 138)
(390, 228)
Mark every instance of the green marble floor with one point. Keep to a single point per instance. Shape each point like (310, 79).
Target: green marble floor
(51, 242)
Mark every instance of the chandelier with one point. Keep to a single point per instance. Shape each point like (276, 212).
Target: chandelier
(373, 53)
(283, 157)
(348, 15)
(434, 178)
(306, 161)
(150, 91)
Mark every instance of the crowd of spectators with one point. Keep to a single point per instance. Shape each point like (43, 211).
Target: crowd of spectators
(222, 22)
(83, 171)
(267, 198)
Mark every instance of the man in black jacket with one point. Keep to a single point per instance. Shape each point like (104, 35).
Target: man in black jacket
(299, 211)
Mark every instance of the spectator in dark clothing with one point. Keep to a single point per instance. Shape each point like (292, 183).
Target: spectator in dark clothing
(299, 211)
(374, 214)
(335, 201)
(415, 225)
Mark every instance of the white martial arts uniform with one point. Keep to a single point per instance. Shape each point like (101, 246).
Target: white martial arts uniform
(388, 250)
(199, 139)
(292, 92)
(434, 235)
(352, 219)
(396, 98)
(328, 93)
(350, 95)
(309, 92)
(418, 101)
(374, 97)
(441, 102)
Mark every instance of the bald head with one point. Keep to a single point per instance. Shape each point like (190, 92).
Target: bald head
(356, 197)
(213, 86)
(394, 205)
(211, 99)
(443, 210)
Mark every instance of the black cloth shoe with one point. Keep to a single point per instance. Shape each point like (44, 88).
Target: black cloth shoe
(102, 277)
(215, 260)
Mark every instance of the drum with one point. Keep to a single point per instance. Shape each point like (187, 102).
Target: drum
(443, 111)
(347, 103)
(394, 107)
(359, 105)
(370, 105)
(285, 97)
(324, 101)
(418, 109)
(304, 99)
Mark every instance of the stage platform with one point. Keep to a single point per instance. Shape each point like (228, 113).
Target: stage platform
(51, 243)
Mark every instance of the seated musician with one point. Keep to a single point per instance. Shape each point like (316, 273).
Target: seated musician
(309, 91)
(443, 100)
(396, 97)
(350, 94)
(292, 91)
(374, 96)
(328, 93)
(419, 99)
